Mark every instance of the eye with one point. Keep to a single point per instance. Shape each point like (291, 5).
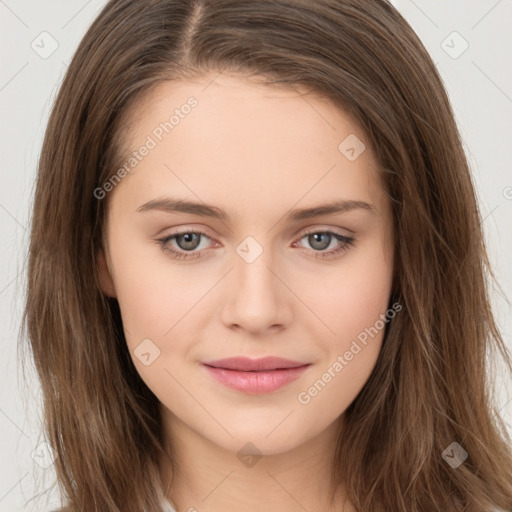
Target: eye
(185, 244)
(321, 240)
(186, 241)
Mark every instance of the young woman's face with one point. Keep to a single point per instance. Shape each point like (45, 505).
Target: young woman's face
(262, 275)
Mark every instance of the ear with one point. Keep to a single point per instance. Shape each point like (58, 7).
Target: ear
(106, 282)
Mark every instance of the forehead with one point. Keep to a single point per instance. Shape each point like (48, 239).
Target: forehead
(227, 102)
(246, 140)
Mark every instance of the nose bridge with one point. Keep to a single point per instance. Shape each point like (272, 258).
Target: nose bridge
(258, 298)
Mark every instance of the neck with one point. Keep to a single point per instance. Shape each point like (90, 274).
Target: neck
(207, 478)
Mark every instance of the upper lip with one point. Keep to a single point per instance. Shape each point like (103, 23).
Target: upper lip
(246, 364)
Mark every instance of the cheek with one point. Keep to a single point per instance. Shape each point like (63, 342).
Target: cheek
(153, 292)
(361, 325)
(351, 296)
(355, 312)
(154, 297)
(358, 319)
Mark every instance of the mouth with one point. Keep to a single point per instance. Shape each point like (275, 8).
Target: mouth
(246, 364)
(255, 376)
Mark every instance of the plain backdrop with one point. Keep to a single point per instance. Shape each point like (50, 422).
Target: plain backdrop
(470, 42)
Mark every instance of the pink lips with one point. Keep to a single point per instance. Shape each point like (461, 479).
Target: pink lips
(255, 376)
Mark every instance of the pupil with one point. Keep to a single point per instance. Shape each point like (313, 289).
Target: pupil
(316, 238)
(190, 243)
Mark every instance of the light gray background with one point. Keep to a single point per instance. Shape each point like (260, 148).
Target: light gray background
(479, 83)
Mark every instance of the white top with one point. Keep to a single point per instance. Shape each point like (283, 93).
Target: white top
(167, 506)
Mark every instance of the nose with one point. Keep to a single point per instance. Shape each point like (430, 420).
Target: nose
(258, 298)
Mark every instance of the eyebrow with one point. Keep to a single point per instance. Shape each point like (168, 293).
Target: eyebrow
(171, 205)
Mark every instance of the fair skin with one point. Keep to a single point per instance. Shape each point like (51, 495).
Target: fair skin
(257, 153)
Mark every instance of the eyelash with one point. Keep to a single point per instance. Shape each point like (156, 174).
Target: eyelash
(347, 241)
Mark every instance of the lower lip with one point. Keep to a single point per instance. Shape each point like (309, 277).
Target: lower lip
(256, 382)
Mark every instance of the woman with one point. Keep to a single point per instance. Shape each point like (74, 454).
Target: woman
(257, 269)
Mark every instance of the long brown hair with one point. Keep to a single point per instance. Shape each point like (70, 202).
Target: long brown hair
(431, 385)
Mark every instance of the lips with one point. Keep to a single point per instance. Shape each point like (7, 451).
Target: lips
(255, 376)
(246, 364)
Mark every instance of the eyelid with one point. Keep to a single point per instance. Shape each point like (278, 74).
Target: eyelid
(319, 229)
(348, 241)
(189, 229)
(302, 232)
